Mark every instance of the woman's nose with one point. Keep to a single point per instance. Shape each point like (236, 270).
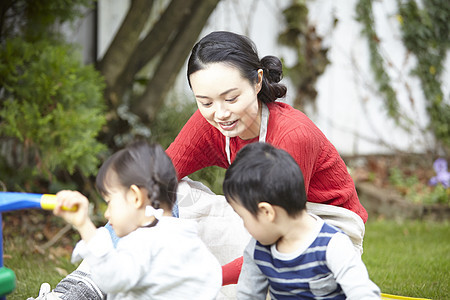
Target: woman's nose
(222, 112)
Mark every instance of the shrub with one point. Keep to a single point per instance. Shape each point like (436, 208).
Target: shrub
(51, 110)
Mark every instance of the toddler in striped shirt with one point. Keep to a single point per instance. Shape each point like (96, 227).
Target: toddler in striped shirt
(293, 254)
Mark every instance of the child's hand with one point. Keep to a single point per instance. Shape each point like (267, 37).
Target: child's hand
(70, 199)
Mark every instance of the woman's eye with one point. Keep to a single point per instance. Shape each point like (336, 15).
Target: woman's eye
(207, 104)
(231, 100)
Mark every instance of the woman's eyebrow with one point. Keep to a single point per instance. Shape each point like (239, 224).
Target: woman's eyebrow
(227, 91)
(202, 97)
(221, 94)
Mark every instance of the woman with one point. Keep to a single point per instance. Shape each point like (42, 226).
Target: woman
(236, 93)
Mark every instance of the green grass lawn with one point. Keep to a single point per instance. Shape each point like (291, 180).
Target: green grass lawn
(411, 258)
(32, 267)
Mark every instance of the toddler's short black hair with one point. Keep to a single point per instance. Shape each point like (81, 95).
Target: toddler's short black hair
(263, 173)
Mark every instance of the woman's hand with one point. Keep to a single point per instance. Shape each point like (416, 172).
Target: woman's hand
(79, 218)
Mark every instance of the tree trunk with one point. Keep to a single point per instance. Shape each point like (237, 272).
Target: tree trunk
(156, 40)
(167, 44)
(123, 45)
(172, 60)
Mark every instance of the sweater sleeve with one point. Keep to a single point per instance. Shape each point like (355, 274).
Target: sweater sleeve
(252, 283)
(349, 270)
(198, 145)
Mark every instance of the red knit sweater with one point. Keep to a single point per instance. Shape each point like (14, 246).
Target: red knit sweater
(327, 181)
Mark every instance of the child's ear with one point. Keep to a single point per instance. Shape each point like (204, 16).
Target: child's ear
(137, 196)
(266, 211)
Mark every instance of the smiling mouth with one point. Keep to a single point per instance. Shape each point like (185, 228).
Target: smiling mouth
(227, 125)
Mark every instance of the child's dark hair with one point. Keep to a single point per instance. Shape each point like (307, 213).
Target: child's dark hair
(146, 166)
(240, 52)
(263, 173)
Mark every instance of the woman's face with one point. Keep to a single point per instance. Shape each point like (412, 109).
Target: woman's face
(227, 100)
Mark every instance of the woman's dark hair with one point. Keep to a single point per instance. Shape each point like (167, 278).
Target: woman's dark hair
(263, 173)
(146, 166)
(240, 52)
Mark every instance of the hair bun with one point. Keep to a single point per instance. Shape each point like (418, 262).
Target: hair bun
(273, 73)
(273, 68)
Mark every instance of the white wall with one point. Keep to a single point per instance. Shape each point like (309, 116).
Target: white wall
(110, 15)
(82, 32)
(349, 110)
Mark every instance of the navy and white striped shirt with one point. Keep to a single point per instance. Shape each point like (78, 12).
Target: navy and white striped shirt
(303, 277)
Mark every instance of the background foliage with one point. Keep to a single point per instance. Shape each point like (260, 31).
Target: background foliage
(426, 35)
(51, 105)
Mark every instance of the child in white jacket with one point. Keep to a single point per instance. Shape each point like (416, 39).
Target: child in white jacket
(158, 256)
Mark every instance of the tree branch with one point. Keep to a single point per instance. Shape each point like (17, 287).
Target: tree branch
(152, 44)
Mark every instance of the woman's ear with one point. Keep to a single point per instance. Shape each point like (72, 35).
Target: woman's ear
(259, 81)
(137, 196)
(266, 211)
